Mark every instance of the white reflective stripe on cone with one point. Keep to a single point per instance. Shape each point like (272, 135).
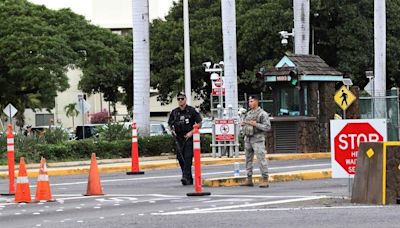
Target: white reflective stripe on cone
(196, 145)
(134, 139)
(134, 132)
(43, 177)
(196, 137)
(10, 140)
(10, 147)
(22, 180)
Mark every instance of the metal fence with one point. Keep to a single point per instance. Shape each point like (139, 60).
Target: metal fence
(383, 107)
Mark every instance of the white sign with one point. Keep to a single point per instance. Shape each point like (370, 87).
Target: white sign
(82, 104)
(217, 87)
(346, 136)
(10, 110)
(224, 129)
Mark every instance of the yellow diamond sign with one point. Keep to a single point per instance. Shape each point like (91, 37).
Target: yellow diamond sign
(370, 152)
(344, 97)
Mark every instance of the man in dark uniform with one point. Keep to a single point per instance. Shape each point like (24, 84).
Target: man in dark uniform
(181, 121)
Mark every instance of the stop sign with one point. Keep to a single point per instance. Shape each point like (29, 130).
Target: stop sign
(346, 143)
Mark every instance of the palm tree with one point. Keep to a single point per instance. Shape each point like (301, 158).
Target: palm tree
(141, 66)
(70, 111)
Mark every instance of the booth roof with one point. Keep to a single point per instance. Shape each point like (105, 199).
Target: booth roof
(305, 65)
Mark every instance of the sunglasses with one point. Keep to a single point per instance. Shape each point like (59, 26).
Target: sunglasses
(180, 98)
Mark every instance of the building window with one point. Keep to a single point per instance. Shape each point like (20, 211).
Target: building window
(44, 119)
(289, 102)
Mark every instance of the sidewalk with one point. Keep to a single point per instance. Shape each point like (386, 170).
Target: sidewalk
(146, 163)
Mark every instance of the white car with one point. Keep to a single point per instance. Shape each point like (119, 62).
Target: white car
(206, 126)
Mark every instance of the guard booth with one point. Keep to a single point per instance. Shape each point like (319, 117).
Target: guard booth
(303, 87)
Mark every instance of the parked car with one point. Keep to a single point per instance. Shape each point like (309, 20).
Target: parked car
(156, 127)
(206, 126)
(42, 129)
(91, 130)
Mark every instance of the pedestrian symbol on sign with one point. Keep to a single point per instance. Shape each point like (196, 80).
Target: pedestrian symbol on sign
(344, 97)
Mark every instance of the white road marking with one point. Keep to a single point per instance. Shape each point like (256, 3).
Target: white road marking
(214, 209)
(290, 209)
(176, 176)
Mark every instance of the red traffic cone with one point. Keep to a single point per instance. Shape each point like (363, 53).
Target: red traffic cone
(94, 185)
(23, 193)
(43, 192)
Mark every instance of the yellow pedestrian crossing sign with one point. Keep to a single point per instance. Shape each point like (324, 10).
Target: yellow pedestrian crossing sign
(344, 98)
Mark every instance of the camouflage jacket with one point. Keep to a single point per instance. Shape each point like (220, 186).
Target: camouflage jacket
(257, 133)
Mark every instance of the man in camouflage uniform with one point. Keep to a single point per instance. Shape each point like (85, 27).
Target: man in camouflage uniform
(254, 126)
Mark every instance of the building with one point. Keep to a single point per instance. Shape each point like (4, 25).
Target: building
(117, 16)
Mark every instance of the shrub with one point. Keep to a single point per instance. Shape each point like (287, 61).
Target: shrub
(33, 148)
(114, 132)
(99, 117)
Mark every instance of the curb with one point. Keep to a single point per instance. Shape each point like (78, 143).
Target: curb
(278, 177)
(105, 166)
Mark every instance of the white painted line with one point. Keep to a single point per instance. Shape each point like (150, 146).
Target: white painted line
(177, 176)
(214, 209)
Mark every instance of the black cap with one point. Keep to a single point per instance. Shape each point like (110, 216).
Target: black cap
(181, 94)
(255, 97)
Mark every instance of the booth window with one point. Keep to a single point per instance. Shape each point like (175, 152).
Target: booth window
(289, 102)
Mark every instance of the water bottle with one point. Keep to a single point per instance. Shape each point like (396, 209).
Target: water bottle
(236, 169)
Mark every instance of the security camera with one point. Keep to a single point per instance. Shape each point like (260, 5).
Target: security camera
(284, 41)
(283, 34)
(214, 76)
(207, 65)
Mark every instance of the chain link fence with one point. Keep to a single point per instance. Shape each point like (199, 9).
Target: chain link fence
(383, 106)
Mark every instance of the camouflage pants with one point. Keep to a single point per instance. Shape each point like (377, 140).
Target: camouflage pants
(257, 148)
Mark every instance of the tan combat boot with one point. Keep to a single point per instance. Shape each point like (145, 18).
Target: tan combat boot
(264, 182)
(248, 182)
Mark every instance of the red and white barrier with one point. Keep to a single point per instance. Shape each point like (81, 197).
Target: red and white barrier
(197, 165)
(135, 152)
(10, 158)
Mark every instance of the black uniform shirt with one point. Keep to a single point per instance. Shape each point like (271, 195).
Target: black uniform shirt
(182, 121)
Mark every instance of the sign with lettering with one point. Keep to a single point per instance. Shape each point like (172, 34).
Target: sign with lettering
(346, 136)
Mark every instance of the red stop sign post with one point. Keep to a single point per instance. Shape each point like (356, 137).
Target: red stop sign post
(346, 143)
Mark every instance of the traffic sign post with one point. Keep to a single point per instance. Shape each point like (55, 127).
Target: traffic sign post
(224, 130)
(10, 111)
(82, 106)
(346, 136)
(344, 98)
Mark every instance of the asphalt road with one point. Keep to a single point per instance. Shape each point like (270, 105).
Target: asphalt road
(157, 199)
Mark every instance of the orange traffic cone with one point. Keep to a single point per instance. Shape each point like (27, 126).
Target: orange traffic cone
(43, 192)
(94, 186)
(23, 193)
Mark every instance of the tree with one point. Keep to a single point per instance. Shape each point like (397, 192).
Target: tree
(343, 38)
(38, 46)
(70, 111)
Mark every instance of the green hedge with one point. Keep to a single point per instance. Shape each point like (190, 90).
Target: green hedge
(32, 149)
